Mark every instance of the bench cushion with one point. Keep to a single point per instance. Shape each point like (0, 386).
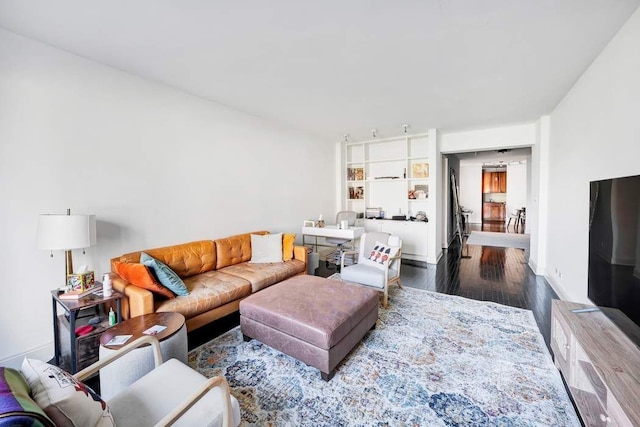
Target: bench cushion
(262, 275)
(296, 308)
(206, 291)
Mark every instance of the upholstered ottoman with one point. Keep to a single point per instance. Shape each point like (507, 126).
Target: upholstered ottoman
(315, 320)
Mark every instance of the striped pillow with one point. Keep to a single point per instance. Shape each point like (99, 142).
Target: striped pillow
(16, 407)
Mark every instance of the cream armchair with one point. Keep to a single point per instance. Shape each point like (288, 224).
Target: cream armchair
(378, 275)
(171, 394)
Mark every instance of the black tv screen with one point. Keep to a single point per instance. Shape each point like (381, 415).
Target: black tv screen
(614, 247)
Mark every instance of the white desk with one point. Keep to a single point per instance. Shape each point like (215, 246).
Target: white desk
(351, 233)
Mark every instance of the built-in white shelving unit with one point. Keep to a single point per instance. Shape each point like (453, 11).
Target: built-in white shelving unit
(395, 175)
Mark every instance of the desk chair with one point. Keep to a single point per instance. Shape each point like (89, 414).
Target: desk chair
(513, 216)
(336, 256)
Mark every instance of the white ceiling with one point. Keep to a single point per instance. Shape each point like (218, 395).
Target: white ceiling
(332, 67)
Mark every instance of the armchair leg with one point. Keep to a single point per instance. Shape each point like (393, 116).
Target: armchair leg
(385, 299)
(399, 284)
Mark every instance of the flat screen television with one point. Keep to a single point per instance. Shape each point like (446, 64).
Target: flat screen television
(614, 251)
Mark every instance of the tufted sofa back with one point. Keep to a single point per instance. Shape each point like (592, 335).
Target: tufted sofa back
(234, 249)
(187, 259)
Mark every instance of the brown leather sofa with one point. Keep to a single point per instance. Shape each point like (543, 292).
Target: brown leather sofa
(217, 274)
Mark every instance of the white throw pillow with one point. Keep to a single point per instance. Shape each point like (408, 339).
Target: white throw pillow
(380, 254)
(267, 248)
(66, 401)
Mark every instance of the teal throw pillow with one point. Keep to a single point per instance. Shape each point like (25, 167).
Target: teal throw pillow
(165, 274)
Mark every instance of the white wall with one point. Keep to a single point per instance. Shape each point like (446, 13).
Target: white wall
(595, 134)
(516, 187)
(156, 166)
(471, 190)
(514, 136)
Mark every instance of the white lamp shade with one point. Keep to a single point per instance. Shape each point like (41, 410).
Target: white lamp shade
(65, 232)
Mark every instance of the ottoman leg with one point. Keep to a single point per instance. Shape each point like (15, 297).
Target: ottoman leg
(246, 338)
(328, 376)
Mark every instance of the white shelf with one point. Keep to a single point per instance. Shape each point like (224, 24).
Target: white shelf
(386, 160)
(395, 156)
(387, 180)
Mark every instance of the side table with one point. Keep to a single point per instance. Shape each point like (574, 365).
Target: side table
(72, 309)
(123, 372)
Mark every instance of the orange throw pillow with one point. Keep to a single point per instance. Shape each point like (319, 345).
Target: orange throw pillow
(287, 246)
(140, 276)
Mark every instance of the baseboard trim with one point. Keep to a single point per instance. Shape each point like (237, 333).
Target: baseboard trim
(44, 353)
(555, 285)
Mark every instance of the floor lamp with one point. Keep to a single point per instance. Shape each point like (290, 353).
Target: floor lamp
(66, 232)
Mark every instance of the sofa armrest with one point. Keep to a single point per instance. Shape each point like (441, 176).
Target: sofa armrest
(300, 253)
(138, 301)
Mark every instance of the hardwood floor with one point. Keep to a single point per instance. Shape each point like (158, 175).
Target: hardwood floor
(488, 274)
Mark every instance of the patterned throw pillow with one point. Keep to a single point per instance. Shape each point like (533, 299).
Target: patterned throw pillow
(381, 253)
(65, 400)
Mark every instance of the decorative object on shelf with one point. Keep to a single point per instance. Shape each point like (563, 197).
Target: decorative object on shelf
(355, 174)
(356, 193)
(66, 232)
(308, 223)
(107, 285)
(320, 223)
(420, 170)
(412, 194)
(421, 216)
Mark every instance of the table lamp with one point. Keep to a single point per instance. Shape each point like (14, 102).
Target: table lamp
(66, 232)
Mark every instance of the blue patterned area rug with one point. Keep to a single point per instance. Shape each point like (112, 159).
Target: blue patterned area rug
(433, 360)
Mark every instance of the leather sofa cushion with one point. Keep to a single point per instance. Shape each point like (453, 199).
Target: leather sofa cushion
(187, 259)
(206, 291)
(234, 249)
(313, 309)
(262, 275)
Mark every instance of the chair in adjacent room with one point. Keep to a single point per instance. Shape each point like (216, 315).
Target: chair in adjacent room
(513, 216)
(378, 263)
(336, 256)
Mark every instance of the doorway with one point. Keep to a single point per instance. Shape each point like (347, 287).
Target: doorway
(494, 186)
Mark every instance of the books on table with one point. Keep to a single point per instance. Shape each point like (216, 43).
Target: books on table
(73, 295)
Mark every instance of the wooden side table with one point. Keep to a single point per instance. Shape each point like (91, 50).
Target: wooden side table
(72, 309)
(125, 371)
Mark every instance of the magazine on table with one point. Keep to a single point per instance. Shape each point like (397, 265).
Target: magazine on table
(119, 339)
(154, 330)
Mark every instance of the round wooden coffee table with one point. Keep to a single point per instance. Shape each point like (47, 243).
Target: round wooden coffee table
(123, 372)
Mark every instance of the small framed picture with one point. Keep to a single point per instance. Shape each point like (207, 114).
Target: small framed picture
(420, 170)
(308, 223)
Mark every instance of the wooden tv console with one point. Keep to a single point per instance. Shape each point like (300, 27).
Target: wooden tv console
(600, 364)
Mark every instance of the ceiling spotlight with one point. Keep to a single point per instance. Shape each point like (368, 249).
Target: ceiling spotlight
(405, 128)
(346, 137)
(373, 132)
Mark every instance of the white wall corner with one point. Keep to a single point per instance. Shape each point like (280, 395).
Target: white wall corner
(44, 353)
(341, 166)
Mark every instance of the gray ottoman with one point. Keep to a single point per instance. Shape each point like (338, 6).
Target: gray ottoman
(315, 320)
